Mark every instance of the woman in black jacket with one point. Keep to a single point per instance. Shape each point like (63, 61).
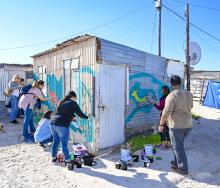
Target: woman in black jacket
(60, 122)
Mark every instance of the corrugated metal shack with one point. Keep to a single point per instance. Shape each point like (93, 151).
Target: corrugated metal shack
(199, 82)
(7, 71)
(113, 82)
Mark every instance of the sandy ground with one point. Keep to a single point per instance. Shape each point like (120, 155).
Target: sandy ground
(28, 165)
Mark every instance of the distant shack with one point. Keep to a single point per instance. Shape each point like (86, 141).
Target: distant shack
(199, 82)
(6, 73)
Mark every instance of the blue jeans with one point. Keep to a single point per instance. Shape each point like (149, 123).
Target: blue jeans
(60, 134)
(28, 123)
(48, 140)
(14, 107)
(177, 137)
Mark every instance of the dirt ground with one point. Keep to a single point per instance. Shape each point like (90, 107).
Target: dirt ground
(28, 165)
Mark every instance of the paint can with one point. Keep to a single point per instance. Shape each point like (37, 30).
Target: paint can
(125, 155)
(146, 164)
(124, 166)
(150, 158)
(148, 150)
(135, 158)
(118, 165)
(70, 166)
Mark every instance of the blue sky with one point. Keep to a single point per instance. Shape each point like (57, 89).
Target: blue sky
(27, 22)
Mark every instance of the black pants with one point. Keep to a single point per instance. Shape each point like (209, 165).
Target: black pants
(165, 136)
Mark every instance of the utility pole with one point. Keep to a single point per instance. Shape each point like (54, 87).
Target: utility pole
(158, 5)
(187, 49)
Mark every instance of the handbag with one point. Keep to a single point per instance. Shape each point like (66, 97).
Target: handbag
(8, 92)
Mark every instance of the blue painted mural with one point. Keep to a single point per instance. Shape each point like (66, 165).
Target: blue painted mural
(55, 92)
(86, 127)
(140, 95)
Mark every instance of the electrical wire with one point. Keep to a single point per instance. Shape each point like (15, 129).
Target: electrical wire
(79, 33)
(205, 42)
(134, 31)
(197, 5)
(137, 26)
(202, 30)
(194, 32)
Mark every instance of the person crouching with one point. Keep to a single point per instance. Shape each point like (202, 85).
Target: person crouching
(43, 132)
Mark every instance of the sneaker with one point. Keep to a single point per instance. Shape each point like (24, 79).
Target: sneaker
(28, 140)
(14, 122)
(180, 171)
(54, 160)
(31, 133)
(43, 145)
(173, 165)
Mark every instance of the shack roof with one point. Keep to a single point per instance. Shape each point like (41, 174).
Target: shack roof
(65, 44)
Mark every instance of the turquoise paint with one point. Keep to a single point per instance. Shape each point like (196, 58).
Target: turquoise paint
(54, 90)
(84, 92)
(142, 92)
(35, 77)
(88, 70)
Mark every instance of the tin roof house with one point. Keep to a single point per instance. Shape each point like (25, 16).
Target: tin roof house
(7, 71)
(113, 82)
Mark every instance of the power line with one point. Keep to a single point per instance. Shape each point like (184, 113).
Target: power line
(205, 42)
(134, 31)
(88, 30)
(203, 31)
(169, 14)
(195, 32)
(197, 5)
(134, 24)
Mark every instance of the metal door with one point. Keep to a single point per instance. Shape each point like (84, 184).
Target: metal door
(112, 82)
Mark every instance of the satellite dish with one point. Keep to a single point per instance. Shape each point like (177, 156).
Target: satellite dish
(194, 53)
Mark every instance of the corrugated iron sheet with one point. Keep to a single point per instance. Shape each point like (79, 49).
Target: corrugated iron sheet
(147, 74)
(3, 83)
(83, 49)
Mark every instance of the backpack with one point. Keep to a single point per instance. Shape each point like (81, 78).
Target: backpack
(25, 89)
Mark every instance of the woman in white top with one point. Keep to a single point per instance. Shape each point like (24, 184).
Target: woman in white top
(43, 133)
(14, 86)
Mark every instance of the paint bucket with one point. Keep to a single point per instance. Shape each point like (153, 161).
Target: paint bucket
(79, 165)
(146, 164)
(124, 166)
(135, 158)
(125, 153)
(88, 161)
(151, 159)
(148, 150)
(118, 165)
(70, 165)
